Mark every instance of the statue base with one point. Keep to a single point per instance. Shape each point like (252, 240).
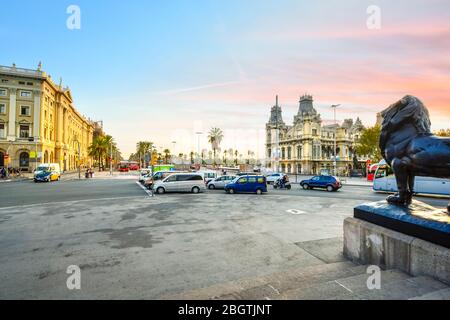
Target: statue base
(417, 220)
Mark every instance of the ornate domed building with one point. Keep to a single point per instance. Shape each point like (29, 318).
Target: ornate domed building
(306, 146)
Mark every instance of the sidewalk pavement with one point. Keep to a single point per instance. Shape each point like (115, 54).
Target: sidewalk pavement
(71, 175)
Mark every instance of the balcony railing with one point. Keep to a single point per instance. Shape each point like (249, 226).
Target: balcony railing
(21, 71)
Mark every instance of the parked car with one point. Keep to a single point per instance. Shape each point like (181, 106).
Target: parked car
(208, 175)
(272, 178)
(324, 182)
(180, 182)
(220, 182)
(247, 184)
(47, 172)
(160, 175)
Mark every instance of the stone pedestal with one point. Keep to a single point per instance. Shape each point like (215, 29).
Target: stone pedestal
(368, 243)
(419, 220)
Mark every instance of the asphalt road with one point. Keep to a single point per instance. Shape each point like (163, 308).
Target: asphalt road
(130, 245)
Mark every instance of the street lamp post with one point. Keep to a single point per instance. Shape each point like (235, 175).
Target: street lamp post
(110, 159)
(334, 106)
(174, 152)
(198, 142)
(79, 158)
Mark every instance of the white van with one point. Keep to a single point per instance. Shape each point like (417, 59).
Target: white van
(180, 182)
(47, 172)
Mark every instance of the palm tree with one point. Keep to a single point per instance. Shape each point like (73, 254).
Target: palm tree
(225, 157)
(236, 157)
(100, 148)
(215, 137)
(143, 148)
(192, 157)
(166, 155)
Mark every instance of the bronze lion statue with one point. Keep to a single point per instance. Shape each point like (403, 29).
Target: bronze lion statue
(409, 147)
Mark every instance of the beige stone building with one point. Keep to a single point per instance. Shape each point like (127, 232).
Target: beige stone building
(306, 147)
(38, 116)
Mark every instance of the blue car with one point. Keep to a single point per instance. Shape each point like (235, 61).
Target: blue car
(247, 184)
(323, 182)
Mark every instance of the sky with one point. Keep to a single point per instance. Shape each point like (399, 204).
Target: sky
(161, 71)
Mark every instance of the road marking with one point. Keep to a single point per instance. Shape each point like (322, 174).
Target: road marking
(343, 286)
(148, 192)
(67, 202)
(295, 211)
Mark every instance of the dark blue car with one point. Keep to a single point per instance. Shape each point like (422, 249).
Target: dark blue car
(323, 182)
(247, 184)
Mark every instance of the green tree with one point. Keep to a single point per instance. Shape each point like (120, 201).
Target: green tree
(143, 148)
(368, 144)
(100, 148)
(166, 155)
(215, 137)
(192, 157)
(443, 133)
(225, 157)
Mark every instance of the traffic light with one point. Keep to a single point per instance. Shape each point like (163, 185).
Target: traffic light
(154, 159)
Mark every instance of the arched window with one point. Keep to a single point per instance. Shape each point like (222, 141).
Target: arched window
(46, 157)
(24, 160)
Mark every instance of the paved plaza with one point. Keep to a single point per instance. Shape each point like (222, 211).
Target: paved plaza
(130, 245)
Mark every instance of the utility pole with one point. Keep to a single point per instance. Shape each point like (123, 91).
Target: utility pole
(79, 161)
(110, 159)
(277, 137)
(334, 106)
(198, 142)
(174, 154)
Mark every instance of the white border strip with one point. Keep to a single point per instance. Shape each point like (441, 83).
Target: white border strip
(148, 192)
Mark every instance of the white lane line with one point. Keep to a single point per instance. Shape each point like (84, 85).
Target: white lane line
(343, 286)
(148, 192)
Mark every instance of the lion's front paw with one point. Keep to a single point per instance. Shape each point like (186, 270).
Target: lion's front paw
(395, 199)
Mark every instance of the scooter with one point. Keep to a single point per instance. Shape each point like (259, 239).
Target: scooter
(277, 185)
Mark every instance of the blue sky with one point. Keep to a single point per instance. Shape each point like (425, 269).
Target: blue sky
(161, 70)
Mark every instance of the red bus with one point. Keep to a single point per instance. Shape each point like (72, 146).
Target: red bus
(133, 166)
(125, 166)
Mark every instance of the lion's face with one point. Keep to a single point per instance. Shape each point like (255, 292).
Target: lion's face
(407, 109)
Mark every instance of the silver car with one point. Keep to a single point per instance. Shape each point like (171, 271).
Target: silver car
(180, 182)
(220, 182)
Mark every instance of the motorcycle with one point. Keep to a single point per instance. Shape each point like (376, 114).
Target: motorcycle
(277, 185)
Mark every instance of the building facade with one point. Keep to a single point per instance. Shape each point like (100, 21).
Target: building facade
(39, 123)
(306, 146)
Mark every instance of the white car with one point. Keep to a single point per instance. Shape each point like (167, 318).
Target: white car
(271, 178)
(220, 182)
(180, 182)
